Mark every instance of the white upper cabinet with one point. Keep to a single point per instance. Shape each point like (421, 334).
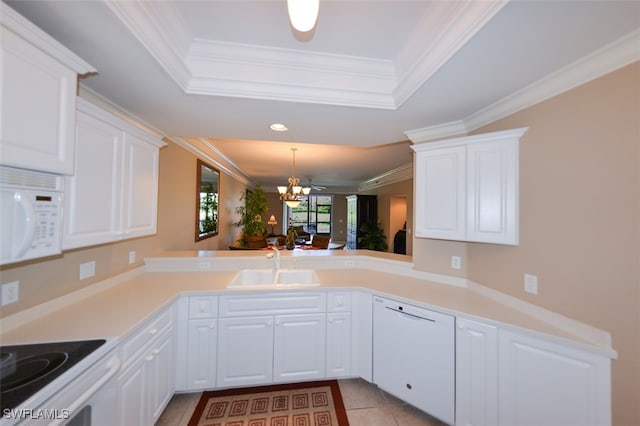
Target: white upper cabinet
(39, 79)
(467, 188)
(113, 194)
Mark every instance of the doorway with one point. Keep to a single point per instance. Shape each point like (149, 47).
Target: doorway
(397, 225)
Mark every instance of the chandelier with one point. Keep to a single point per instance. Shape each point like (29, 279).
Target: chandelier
(293, 193)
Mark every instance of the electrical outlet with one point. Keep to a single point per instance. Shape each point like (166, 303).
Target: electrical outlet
(456, 262)
(10, 292)
(132, 257)
(87, 269)
(530, 283)
(349, 264)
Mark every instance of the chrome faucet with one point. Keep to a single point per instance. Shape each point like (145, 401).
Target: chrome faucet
(276, 257)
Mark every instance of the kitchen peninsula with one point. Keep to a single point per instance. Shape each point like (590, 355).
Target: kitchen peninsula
(168, 307)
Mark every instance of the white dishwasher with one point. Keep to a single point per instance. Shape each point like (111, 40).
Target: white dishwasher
(414, 356)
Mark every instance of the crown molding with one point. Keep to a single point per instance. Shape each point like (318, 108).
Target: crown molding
(13, 21)
(399, 174)
(97, 99)
(421, 57)
(208, 67)
(206, 151)
(161, 33)
(609, 58)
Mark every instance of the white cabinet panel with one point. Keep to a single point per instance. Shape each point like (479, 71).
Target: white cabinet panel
(201, 358)
(299, 347)
(440, 193)
(39, 78)
(492, 195)
(140, 187)
(245, 351)
(467, 188)
(338, 344)
(92, 198)
(113, 193)
(362, 335)
(160, 384)
(476, 373)
(543, 383)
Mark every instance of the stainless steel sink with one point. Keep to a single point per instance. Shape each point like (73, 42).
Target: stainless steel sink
(262, 278)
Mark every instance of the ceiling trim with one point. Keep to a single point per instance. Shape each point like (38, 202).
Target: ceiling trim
(399, 174)
(216, 158)
(454, 30)
(18, 24)
(209, 67)
(611, 57)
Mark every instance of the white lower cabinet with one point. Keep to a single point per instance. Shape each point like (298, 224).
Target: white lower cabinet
(338, 344)
(201, 361)
(144, 385)
(545, 383)
(245, 351)
(476, 373)
(299, 347)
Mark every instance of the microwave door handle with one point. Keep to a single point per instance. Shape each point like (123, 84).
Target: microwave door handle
(30, 224)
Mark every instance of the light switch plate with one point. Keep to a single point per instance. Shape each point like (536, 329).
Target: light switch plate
(456, 262)
(10, 292)
(87, 269)
(531, 283)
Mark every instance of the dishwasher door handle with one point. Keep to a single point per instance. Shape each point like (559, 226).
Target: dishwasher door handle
(412, 316)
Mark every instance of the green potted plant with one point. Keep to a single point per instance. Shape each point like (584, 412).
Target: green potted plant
(372, 237)
(251, 214)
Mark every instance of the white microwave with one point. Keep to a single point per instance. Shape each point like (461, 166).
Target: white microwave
(30, 214)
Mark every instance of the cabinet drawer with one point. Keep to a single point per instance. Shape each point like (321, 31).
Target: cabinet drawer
(279, 303)
(137, 341)
(339, 301)
(203, 307)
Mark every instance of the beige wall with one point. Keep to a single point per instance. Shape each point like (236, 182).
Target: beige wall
(43, 280)
(579, 220)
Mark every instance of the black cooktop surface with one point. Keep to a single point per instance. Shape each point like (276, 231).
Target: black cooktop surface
(26, 369)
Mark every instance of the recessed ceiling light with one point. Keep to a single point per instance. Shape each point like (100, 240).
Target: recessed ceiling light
(279, 127)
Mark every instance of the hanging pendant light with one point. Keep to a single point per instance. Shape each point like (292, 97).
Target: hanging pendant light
(291, 194)
(303, 14)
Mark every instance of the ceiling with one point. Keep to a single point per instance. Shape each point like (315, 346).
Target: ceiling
(368, 77)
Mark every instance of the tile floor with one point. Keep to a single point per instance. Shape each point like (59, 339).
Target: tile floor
(366, 406)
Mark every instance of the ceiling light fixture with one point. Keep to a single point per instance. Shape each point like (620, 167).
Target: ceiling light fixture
(279, 127)
(303, 14)
(292, 194)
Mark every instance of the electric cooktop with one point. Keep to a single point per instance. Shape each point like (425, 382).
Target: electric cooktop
(26, 369)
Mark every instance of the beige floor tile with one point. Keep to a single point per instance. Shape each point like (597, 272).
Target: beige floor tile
(179, 410)
(407, 415)
(377, 416)
(357, 393)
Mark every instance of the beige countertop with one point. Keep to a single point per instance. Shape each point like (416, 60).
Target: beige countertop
(120, 308)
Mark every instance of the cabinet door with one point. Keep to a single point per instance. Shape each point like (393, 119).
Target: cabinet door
(476, 373)
(160, 383)
(201, 357)
(492, 192)
(544, 383)
(140, 187)
(440, 193)
(38, 108)
(245, 351)
(362, 335)
(132, 397)
(338, 344)
(92, 193)
(299, 347)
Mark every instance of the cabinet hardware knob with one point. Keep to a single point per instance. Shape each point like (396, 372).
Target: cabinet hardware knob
(409, 386)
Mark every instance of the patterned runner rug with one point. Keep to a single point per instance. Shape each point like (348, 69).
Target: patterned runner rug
(296, 404)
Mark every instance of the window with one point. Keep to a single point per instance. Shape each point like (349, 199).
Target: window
(314, 214)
